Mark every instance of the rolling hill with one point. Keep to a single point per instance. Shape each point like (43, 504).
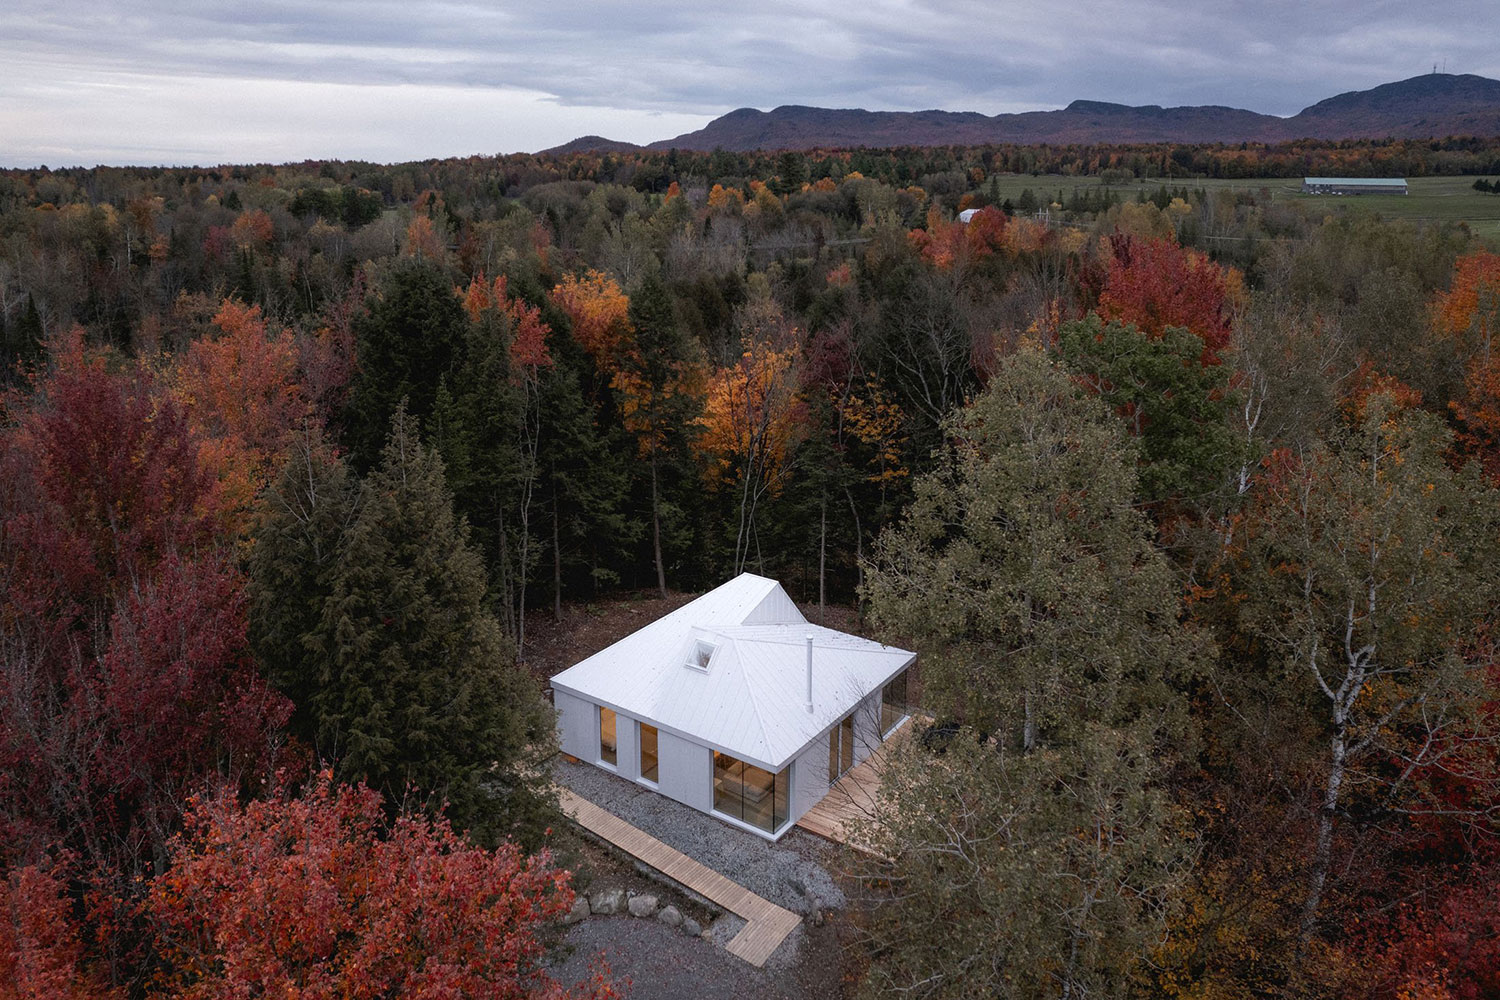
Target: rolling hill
(1432, 105)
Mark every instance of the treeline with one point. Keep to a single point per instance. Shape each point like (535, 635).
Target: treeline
(287, 478)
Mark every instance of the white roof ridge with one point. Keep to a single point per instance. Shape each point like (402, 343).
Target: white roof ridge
(756, 711)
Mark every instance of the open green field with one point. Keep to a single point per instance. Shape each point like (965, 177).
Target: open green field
(1433, 199)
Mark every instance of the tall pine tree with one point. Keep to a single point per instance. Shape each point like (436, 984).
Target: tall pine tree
(305, 517)
(408, 344)
(421, 689)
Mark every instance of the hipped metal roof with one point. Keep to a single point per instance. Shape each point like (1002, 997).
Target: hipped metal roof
(751, 702)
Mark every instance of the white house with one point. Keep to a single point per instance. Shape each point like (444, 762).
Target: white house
(734, 704)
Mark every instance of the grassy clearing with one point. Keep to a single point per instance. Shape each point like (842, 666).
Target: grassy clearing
(1432, 199)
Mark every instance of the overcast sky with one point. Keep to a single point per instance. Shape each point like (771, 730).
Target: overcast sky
(207, 82)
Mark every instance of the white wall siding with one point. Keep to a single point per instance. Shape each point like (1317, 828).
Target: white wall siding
(686, 771)
(809, 777)
(577, 726)
(628, 741)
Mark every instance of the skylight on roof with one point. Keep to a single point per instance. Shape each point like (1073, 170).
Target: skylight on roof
(700, 654)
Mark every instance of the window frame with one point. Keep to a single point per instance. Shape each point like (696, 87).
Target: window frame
(614, 750)
(887, 724)
(640, 746)
(779, 793)
(704, 650)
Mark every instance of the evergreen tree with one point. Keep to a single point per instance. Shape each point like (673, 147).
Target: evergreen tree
(1176, 408)
(585, 479)
(21, 341)
(306, 514)
(409, 342)
(1024, 570)
(420, 688)
(660, 386)
(475, 425)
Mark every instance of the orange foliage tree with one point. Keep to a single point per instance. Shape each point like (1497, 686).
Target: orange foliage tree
(752, 416)
(252, 230)
(599, 311)
(311, 897)
(1469, 315)
(243, 394)
(949, 243)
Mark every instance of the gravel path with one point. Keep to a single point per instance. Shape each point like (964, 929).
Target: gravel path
(659, 963)
(786, 873)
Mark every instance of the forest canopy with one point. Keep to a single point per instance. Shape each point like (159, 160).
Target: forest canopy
(1187, 497)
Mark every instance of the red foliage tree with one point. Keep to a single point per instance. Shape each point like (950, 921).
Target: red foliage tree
(946, 244)
(125, 679)
(308, 897)
(1155, 284)
(1443, 944)
(1469, 315)
(41, 950)
(102, 480)
(528, 344)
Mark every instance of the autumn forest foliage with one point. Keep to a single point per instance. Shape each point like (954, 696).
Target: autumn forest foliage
(1188, 500)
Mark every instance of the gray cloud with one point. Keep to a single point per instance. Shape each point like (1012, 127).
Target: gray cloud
(670, 64)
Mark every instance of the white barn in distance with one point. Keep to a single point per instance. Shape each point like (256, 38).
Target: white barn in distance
(734, 704)
(1354, 185)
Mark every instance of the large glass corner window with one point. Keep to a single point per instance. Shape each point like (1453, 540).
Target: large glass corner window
(648, 752)
(750, 794)
(608, 747)
(893, 703)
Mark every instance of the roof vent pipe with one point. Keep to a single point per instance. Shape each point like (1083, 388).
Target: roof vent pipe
(809, 673)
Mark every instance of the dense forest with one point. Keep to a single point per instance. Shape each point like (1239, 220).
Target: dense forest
(1187, 498)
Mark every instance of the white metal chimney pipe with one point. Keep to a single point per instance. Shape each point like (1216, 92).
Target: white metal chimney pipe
(809, 673)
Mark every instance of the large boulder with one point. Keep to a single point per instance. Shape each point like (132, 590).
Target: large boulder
(670, 915)
(607, 901)
(579, 911)
(642, 906)
(691, 927)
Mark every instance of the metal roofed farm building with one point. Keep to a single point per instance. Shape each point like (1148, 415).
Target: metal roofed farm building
(734, 704)
(1354, 185)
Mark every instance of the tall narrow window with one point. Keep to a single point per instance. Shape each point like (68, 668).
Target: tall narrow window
(648, 752)
(608, 749)
(841, 748)
(893, 704)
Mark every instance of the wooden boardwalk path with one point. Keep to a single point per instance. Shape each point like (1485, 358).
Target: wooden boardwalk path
(854, 795)
(767, 924)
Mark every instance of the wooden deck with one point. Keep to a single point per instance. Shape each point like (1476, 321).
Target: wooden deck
(767, 924)
(853, 796)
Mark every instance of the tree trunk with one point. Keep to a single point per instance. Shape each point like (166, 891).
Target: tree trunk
(1323, 852)
(822, 558)
(556, 562)
(859, 550)
(661, 572)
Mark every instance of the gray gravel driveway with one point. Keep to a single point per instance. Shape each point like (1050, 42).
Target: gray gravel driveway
(787, 873)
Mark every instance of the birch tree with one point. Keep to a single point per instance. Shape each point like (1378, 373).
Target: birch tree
(1368, 564)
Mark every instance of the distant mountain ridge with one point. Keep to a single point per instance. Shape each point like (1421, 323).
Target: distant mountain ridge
(1428, 106)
